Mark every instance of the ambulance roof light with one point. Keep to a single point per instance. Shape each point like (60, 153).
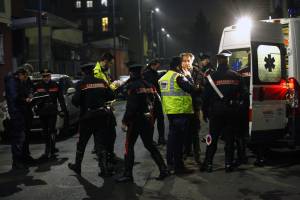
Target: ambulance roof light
(244, 24)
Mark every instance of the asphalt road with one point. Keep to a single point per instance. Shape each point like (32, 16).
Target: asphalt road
(279, 180)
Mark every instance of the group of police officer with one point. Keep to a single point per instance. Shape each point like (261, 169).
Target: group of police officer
(180, 94)
(21, 94)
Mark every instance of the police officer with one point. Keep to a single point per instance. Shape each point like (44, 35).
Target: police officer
(91, 95)
(17, 102)
(150, 75)
(221, 109)
(205, 65)
(176, 92)
(138, 120)
(101, 72)
(47, 109)
(28, 88)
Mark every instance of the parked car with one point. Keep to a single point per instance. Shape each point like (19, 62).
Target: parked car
(63, 126)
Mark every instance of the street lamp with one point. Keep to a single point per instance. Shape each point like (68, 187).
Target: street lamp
(152, 12)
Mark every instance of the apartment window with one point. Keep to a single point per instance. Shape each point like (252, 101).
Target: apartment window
(1, 49)
(78, 4)
(105, 24)
(89, 4)
(104, 3)
(2, 6)
(90, 25)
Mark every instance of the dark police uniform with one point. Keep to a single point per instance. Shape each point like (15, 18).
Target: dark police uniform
(222, 113)
(138, 118)
(47, 109)
(91, 95)
(151, 76)
(16, 103)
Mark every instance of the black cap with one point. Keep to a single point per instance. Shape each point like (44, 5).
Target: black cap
(21, 70)
(203, 56)
(135, 67)
(224, 53)
(153, 62)
(87, 66)
(107, 56)
(46, 72)
(175, 62)
(130, 62)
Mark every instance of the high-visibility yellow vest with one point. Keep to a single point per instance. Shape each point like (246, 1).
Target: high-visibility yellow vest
(99, 73)
(174, 99)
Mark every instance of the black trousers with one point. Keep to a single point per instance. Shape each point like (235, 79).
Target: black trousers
(17, 123)
(49, 132)
(192, 140)
(160, 121)
(28, 123)
(87, 128)
(178, 127)
(222, 122)
(141, 127)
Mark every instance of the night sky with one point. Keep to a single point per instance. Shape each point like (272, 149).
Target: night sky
(178, 16)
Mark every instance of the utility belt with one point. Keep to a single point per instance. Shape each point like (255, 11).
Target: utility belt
(93, 113)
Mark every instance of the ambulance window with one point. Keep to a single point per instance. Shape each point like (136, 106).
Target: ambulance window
(269, 63)
(240, 60)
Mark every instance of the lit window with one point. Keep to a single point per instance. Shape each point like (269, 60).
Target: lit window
(104, 3)
(78, 4)
(105, 24)
(89, 4)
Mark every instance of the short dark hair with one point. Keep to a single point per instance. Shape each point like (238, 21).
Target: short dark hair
(107, 56)
(175, 62)
(153, 62)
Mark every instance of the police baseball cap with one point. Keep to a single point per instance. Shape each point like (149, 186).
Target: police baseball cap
(45, 72)
(21, 70)
(135, 67)
(203, 56)
(224, 53)
(87, 66)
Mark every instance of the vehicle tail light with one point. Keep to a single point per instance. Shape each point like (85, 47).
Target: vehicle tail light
(291, 83)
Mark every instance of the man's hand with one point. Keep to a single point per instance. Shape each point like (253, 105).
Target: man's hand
(205, 118)
(124, 127)
(28, 100)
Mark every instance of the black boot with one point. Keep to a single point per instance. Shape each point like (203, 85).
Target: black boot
(77, 166)
(103, 164)
(206, 167)
(18, 165)
(126, 177)
(229, 168)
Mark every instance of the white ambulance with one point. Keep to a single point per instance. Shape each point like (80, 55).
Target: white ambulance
(267, 54)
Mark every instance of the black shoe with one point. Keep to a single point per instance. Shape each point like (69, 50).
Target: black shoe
(163, 174)
(183, 170)
(229, 168)
(75, 168)
(44, 157)
(206, 168)
(17, 165)
(55, 150)
(28, 159)
(259, 163)
(124, 179)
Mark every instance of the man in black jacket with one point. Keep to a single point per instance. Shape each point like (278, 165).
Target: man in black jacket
(150, 75)
(222, 109)
(17, 101)
(138, 121)
(47, 109)
(91, 95)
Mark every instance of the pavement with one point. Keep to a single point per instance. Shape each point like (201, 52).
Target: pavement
(278, 180)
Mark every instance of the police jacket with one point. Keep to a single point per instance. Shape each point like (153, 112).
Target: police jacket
(16, 95)
(52, 93)
(140, 101)
(199, 81)
(91, 94)
(101, 73)
(151, 76)
(231, 86)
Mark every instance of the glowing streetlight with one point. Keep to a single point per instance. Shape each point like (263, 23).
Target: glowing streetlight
(163, 29)
(157, 10)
